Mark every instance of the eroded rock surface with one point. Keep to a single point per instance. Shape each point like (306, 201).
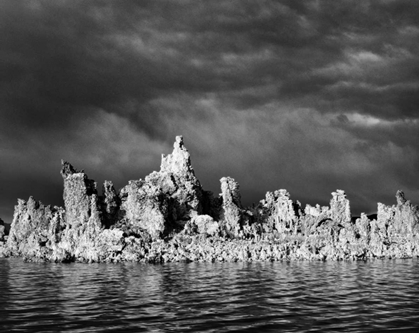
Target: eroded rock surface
(35, 229)
(80, 195)
(231, 214)
(110, 203)
(168, 216)
(396, 231)
(280, 213)
(164, 201)
(340, 207)
(144, 207)
(182, 185)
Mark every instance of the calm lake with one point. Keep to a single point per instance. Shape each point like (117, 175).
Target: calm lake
(372, 296)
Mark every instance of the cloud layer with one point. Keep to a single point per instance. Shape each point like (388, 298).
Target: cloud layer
(309, 96)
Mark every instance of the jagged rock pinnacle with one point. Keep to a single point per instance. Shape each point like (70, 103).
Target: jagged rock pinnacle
(179, 161)
(340, 207)
(401, 200)
(67, 169)
(171, 204)
(77, 194)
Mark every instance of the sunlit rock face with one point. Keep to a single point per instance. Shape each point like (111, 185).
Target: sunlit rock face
(203, 225)
(35, 229)
(169, 217)
(312, 217)
(179, 162)
(341, 216)
(401, 219)
(280, 213)
(329, 232)
(231, 213)
(397, 227)
(84, 220)
(167, 199)
(179, 182)
(362, 226)
(80, 196)
(40, 232)
(340, 207)
(144, 207)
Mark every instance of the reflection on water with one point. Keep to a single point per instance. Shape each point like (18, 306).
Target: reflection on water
(247, 297)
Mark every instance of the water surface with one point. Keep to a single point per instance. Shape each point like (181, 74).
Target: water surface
(372, 296)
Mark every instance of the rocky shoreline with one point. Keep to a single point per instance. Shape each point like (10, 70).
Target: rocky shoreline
(169, 217)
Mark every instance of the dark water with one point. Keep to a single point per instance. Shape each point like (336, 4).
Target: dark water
(372, 296)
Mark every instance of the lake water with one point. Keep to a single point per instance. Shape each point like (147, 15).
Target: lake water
(372, 296)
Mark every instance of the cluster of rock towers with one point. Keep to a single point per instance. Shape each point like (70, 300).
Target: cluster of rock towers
(168, 216)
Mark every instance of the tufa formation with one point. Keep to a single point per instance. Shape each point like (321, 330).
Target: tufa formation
(169, 217)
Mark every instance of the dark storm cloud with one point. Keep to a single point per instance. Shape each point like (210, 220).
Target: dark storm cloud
(108, 84)
(83, 55)
(402, 133)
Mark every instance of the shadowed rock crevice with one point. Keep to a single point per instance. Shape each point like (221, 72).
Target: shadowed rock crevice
(168, 216)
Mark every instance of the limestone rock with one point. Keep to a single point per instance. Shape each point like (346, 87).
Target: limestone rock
(144, 207)
(405, 221)
(206, 225)
(40, 232)
(377, 239)
(401, 200)
(88, 244)
(280, 212)
(35, 229)
(330, 232)
(177, 180)
(398, 226)
(231, 206)
(164, 201)
(83, 216)
(179, 162)
(78, 193)
(312, 217)
(363, 226)
(385, 217)
(169, 217)
(340, 207)
(110, 203)
(77, 239)
(400, 219)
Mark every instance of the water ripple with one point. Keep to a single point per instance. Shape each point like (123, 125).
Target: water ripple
(220, 297)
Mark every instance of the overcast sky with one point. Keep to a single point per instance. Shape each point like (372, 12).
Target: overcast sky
(310, 96)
